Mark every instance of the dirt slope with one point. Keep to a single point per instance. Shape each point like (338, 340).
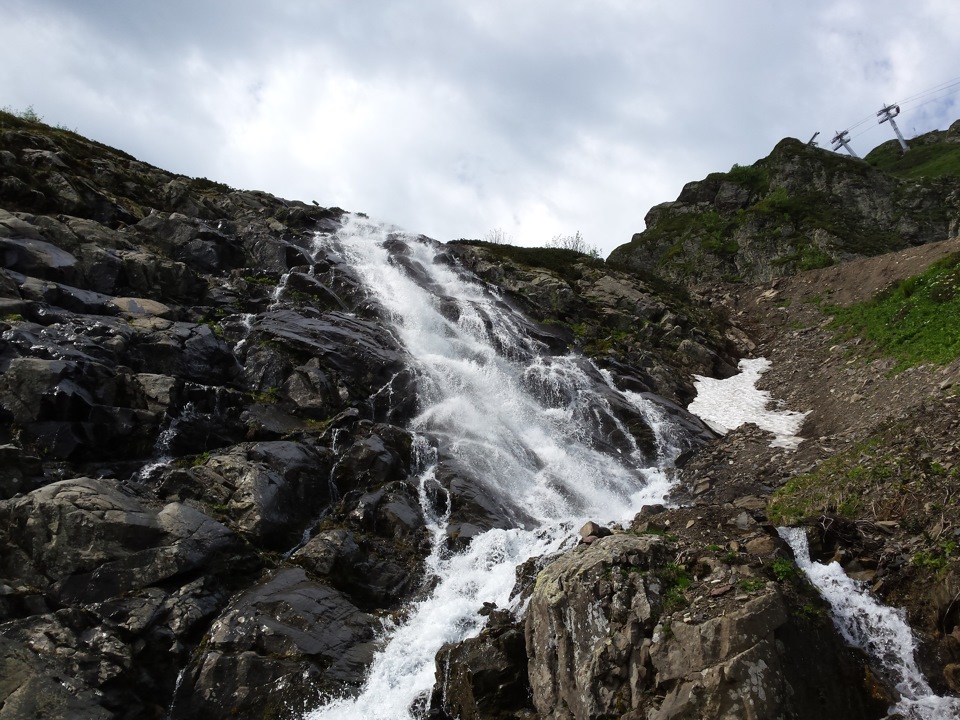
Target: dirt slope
(879, 467)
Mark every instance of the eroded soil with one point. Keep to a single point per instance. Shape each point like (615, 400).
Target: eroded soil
(879, 468)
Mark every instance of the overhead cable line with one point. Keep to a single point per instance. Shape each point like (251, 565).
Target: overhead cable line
(938, 97)
(941, 91)
(936, 88)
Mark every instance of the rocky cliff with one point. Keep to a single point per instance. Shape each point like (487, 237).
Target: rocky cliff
(699, 612)
(801, 208)
(206, 497)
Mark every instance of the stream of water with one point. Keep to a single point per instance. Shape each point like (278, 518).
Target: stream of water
(879, 630)
(532, 428)
(537, 434)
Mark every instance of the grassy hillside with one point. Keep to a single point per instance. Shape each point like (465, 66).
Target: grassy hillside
(921, 161)
(915, 321)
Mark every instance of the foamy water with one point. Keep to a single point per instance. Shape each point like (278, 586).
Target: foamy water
(526, 424)
(879, 630)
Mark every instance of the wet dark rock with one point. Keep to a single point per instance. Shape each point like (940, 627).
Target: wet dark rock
(377, 454)
(361, 359)
(28, 689)
(473, 509)
(84, 540)
(301, 287)
(375, 572)
(287, 639)
(485, 676)
(617, 316)
(73, 408)
(204, 467)
(148, 275)
(269, 491)
(37, 258)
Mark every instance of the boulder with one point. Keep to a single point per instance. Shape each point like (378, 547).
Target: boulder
(287, 639)
(29, 690)
(85, 540)
(604, 639)
(270, 491)
(38, 259)
(484, 676)
(376, 454)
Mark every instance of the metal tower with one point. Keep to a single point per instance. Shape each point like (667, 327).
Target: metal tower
(889, 113)
(841, 139)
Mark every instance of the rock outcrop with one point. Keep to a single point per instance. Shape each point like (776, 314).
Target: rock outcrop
(645, 625)
(205, 474)
(800, 208)
(208, 487)
(189, 384)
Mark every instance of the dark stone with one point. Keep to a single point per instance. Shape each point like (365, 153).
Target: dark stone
(285, 640)
(86, 540)
(484, 676)
(378, 455)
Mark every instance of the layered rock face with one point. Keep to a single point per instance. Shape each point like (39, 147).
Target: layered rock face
(207, 481)
(797, 209)
(188, 385)
(663, 621)
(206, 495)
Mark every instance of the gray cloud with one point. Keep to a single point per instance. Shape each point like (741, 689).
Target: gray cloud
(454, 118)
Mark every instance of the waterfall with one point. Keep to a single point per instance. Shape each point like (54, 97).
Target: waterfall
(879, 630)
(542, 437)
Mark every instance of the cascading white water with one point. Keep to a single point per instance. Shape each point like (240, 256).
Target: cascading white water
(879, 630)
(162, 447)
(532, 429)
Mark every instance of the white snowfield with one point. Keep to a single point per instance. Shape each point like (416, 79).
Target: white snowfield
(725, 405)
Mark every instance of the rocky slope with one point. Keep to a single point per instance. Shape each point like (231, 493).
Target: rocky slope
(205, 466)
(800, 208)
(206, 498)
(874, 483)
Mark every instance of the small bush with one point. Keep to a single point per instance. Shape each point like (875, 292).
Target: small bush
(783, 569)
(28, 114)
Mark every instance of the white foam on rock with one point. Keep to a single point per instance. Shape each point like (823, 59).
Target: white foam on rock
(725, 405)
(879, 630)
(528, 426)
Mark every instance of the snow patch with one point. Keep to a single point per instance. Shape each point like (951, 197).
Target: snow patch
(725, 405)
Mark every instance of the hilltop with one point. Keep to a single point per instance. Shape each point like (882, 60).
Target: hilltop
(801, 208)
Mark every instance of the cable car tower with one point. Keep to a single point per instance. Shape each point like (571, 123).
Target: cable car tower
(889, 113)
(841, 139)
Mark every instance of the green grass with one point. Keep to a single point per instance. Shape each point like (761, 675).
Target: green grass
(872, 479)
(916, 321)
(787, 219)
(838, 485)
(753, 177)
(751, 584)
(783, 569)
(921, 161)
(559, 260)
(675, 579)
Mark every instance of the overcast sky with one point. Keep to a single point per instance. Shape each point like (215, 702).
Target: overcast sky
(455, 117)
